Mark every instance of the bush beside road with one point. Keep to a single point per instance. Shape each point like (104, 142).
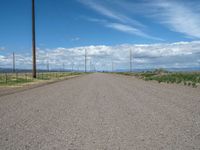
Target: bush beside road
(160, 75)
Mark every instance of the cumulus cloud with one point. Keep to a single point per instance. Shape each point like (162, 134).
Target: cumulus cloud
(168, 55)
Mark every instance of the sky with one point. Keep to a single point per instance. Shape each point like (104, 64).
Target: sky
(160, 33)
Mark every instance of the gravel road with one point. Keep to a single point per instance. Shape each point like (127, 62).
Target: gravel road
(101, 112)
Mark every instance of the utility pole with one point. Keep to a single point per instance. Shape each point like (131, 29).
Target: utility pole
(47, 66)
(90, 65)
(72, 66)
(33, 40)
(63, 67)
(85, 60)
(130, 60)
(13, 62)
(78, 67)
(112, 66)
(47, 62)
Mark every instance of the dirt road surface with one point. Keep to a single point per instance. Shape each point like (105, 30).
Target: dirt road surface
(101, 112)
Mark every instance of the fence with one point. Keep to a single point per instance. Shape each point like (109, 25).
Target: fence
(26, 77)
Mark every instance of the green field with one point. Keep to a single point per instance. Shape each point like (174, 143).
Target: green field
(15, 79)
(184, 78)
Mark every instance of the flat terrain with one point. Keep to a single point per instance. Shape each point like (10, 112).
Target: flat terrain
(9, 89)
(101, 112)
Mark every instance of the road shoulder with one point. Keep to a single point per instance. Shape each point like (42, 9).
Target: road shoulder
(14, 89)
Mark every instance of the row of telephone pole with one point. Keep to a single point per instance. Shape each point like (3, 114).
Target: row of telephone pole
(63, 64)
(34, 69)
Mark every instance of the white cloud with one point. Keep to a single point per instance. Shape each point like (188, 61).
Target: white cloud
(130, 30)
(109, 12)
(180, 17)
(180, 54)
(124, 28)
(126, 25)
(75, 39)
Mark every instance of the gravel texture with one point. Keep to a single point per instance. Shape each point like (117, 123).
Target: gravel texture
(101, 112)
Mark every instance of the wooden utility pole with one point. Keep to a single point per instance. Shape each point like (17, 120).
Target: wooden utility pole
(72, 66)
(47, 66)
(78, 67)
(33, 40)
(85, 60)
(130, 60)
(13, 62)
(63, 67)
(90, 65)
(48, 63)
(112, 66)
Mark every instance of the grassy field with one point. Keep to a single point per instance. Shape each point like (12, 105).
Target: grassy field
(15, 79)
(185, 78)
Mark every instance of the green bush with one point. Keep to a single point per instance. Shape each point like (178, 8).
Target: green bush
(167, 77)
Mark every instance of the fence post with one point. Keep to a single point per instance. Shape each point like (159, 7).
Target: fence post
(17, 77)
(26, 77)
(6, 78)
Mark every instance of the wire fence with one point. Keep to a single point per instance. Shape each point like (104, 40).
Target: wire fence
(26, 77)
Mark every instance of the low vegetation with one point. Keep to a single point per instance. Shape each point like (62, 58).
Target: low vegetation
(160, 75)
(13, 79)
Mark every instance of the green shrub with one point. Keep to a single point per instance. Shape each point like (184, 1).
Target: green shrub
(180, 77)
(194, 85)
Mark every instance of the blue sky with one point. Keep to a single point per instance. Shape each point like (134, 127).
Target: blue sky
(79, 24)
